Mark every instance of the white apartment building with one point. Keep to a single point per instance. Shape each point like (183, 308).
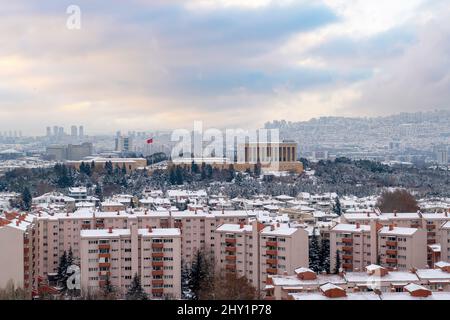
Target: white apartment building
(391, 247)
(153, 254)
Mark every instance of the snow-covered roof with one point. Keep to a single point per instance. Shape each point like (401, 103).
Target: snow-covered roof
(442, 264)
(392, 276)
(228, 227)
(302, 270)
(160, 232)
(283, 230)
(411, 287)
(343, 227)
(432, 274)
(349, 296)
(397, 231)
(408, 296)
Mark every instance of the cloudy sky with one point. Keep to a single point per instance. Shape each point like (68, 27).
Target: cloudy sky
(161, 64)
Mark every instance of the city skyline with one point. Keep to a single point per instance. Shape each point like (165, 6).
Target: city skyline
(163, 64)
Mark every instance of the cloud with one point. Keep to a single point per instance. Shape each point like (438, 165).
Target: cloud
(161, 64)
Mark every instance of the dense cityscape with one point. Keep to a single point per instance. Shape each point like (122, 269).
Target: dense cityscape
(224, 158)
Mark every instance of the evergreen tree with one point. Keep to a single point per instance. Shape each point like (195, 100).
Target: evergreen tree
(109, 167)
(186, 290)
(338, 263)
(26, 199)
(257, 170)
(132, 203)
(99, 192)
(208, 171)
(124, 169)
(63, 177)
(337, 206)
(325, 255)
(203, 171)
(172, 176)
(314, 253)
(194, 167)
(179, 175)
(69, 257)
(136, 292)
(108, 290)
(62, 270)
(200, 275)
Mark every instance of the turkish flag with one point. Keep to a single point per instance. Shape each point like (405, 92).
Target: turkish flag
(150, 140)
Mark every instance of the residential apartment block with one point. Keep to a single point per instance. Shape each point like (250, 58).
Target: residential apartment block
(392, 247)
(118, 254)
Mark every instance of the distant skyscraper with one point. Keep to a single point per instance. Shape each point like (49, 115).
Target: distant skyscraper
(442, 156)
(60, 132)
(49, 131)
(55, 131)
(81, 132)
(74, 131)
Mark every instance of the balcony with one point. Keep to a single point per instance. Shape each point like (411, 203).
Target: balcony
(104, 265)
(391, 252)
(157, 254)
(347, 257)
(157, 245)
(230, 267)
(431, 234)
(157, 272)
(104, 273)
(104, 255)
(157, 291)
(100, 226)
(271, 243)
(104, 246)
(347, 249)
(391, 260)
(431, 227)
(416, 225)
(85, 226)
(230, 240)
(271, 270)
(230, 258)
(431, 241)
(157, 264)
(271, 252)
(230, 249)
(347, 240)
(347, 266)
(391, 243)
(271, 261)
(158, 282)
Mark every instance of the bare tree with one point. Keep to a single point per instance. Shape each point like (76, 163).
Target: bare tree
(229, 286)
(398, 200)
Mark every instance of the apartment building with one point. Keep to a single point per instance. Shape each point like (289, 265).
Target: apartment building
(257, 251)
(392, 247)
(433, 223)
(402, 248)
(15, 253)
(281, 250)
(445, 241)
(118, 254)
(61, 231)
(355, 244)
(236, 250)
(401, 219)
